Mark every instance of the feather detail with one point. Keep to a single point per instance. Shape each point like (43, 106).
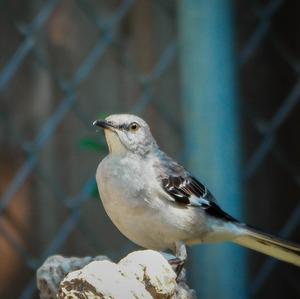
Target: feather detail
(185, 189)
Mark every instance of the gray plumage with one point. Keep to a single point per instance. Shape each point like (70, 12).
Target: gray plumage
(157, 204)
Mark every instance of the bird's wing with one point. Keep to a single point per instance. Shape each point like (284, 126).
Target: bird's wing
(184, 189)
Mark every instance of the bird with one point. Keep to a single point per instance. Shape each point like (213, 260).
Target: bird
(158, 204)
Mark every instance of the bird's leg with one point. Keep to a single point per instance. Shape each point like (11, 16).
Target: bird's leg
(179, 260)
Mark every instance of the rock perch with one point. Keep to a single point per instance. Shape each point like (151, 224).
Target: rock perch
(141, 274)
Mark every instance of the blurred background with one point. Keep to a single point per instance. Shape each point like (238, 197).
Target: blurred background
(218, 82)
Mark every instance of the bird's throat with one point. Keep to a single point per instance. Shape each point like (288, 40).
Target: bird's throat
(114, 143)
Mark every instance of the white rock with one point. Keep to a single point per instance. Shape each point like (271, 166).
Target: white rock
(153, 270)
(142, 274)
(55, 268)
(101, 279)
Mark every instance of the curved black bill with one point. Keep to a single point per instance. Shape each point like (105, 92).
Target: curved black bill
(103, 124)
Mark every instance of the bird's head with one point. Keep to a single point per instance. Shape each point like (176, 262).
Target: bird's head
(127, 133)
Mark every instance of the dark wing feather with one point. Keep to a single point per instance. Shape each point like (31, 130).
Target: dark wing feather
(181, 188)
(187, 190)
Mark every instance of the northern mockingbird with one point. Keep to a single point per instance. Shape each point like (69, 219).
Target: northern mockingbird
(158, 204)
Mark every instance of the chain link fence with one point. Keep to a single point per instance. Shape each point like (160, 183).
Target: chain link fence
(65, 63)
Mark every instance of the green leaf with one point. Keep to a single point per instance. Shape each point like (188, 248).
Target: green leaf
(103, 115)
(94, 192)
(91, 144)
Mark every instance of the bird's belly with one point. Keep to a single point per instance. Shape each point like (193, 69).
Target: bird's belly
(139, 223)
(144, 219)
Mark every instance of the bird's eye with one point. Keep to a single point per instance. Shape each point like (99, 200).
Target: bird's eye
(134, 126)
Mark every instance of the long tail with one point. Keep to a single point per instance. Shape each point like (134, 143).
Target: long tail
(270, 245)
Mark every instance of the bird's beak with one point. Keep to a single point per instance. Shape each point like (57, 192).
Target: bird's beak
(103, 124)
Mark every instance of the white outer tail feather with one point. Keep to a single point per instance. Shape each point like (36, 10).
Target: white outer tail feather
(269, 245)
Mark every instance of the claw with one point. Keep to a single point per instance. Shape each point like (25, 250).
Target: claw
(177, 265)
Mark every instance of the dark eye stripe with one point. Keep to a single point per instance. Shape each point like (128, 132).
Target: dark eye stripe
(123, 127)
(127, 127)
